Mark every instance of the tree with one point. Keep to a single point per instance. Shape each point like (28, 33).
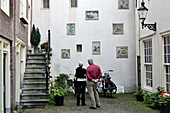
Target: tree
(35, 36)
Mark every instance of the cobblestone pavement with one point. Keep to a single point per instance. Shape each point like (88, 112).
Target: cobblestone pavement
(120, 103)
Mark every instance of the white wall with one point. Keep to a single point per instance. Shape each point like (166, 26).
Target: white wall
(87, 31)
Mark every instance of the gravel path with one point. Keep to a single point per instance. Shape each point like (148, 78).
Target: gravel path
(120, 103)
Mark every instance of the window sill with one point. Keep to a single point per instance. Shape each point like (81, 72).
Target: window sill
(24, 20)
(45, 9)
(150, 89)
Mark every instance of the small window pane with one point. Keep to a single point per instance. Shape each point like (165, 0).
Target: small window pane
(79, 48)
(46, 4)
(73, 3)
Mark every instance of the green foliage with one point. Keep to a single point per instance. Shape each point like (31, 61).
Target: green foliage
(139, 91)
(45, 46)
(60, 80)
(35, 36)
(60, 91)
(58, 88)
(146, 97)
(155, 97)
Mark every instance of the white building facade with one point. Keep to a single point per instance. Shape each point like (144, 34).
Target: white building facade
(83, 29)
(153, 46)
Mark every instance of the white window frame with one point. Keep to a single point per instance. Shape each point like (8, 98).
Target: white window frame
(23, 8)
(166, 62)
(147, 56)
(5, 6)
(5, 49)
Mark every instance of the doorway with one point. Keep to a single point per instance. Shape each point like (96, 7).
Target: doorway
(4, 79)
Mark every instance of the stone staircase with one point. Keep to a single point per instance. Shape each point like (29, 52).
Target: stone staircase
(34, 82)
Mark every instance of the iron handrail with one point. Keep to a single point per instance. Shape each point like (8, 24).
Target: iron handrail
(47, 65)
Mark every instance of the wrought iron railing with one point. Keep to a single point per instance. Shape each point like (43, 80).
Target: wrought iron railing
(47, 65)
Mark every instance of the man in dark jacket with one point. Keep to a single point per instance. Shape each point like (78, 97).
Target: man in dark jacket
(80, 77)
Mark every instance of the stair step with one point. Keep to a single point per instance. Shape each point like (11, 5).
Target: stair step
(36, 63)
(36, 88)
(35, 100)
(34, 78)
(36, 58)
(35, 94)
(34, 68)
(36, 54)
(34, 73)
(33, 83)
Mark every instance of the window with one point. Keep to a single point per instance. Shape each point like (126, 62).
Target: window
(149, 75)
(148, 61)
(73, 3)
(79, 48)
(5, 6)
(167, 49)
(167, 77)
(167, 60)
(148, 51)
(23, 11)
(46, 4)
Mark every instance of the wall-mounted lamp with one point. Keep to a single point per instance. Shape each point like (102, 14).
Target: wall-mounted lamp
(143, 11)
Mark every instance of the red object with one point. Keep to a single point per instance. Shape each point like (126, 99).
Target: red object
(46, 44)
(168, 92)
(103, 80)
(162, 93)
(93, 72)
(108, 82)
(164, 98)
(48, 70)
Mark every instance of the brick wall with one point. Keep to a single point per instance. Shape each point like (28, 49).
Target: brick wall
(10, 29)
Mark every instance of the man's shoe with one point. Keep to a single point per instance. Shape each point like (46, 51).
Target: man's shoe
(97, 106)
(83, 104)
(92, 108)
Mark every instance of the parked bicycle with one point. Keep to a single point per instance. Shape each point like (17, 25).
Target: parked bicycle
(107, 84)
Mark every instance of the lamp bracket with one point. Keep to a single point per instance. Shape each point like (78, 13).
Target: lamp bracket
(150, 26)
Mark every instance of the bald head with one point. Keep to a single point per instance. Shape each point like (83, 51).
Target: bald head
(90, 61)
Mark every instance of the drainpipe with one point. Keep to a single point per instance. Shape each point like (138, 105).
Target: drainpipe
(13, 78)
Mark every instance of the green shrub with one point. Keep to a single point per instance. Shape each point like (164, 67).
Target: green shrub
(35, 36)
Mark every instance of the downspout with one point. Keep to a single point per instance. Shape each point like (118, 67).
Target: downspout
(14, 60)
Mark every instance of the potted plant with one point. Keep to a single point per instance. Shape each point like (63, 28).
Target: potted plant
(44, 47)
(164, 101)
(35, 38)
(58, 90)
(59, 94)
(139, 93)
